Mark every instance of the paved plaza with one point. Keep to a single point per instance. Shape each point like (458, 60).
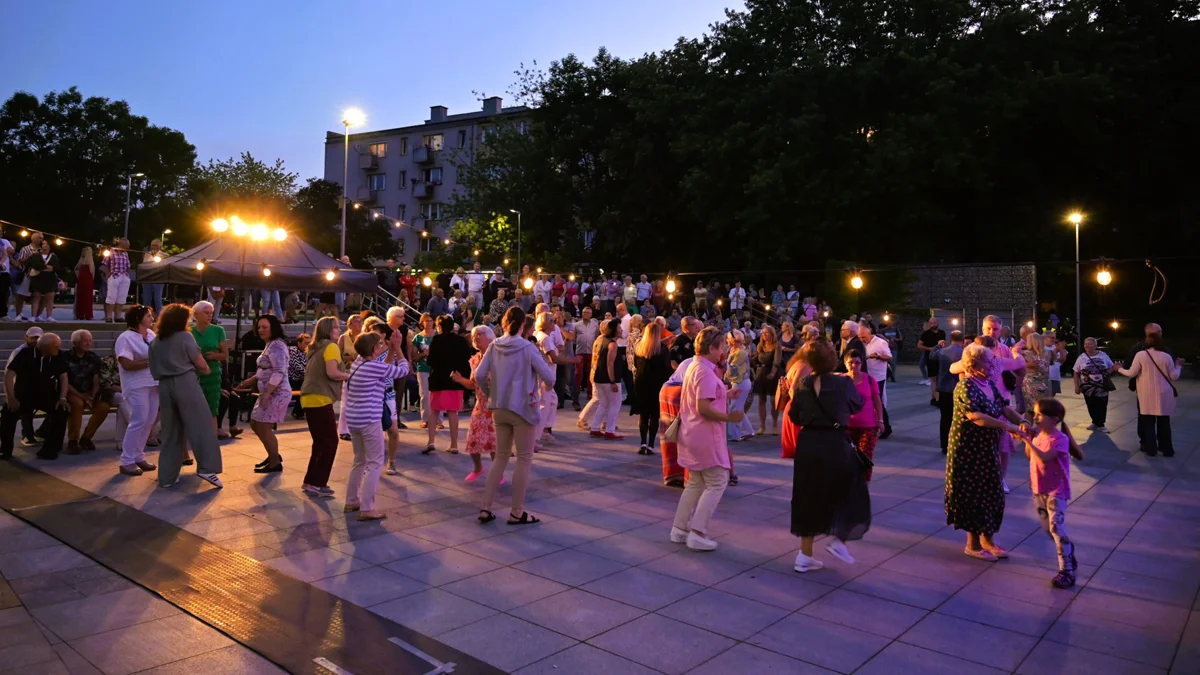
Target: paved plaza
(597, 588)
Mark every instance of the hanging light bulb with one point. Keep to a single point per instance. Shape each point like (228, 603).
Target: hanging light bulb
(424, 233)
(953, 322)
(266, 271)
(670, 285)
(329, 275)
(856, 282)
(279, 234)
(446, 242)
(767, 307)
(1104, 277)
(157, 258)
(506, 261)
(826, 314)
(427, 281)
(886, 317)
(200, 265)
(106, 252)
(239, 228)
(1029, 323)
(528, 283)
(58, 241)
(719, 302)
(1115, 325)
(539, 270)
(220, 225)
(24, 233)
(570, 277)
(258, 232)
(670, 296)
(476, 253)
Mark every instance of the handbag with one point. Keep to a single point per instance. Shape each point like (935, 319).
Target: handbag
(671, 435)
(865, 463)
(1106, 378)
(1160, 372)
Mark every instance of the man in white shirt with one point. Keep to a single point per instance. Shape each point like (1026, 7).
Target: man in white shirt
(541, 289)
(643, 290)
(622, 344)
(878, 356)
(737, 298)
(475, 281)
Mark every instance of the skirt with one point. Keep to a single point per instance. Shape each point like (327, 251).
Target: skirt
(446, 401)
(829, 492)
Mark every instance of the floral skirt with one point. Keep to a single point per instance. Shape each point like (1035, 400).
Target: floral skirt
(481, 435)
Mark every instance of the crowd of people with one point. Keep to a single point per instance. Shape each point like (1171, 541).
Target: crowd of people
(693, 379)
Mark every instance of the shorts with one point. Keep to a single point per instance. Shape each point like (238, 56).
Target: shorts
(445, 401)
(931, 367)
(118, 290)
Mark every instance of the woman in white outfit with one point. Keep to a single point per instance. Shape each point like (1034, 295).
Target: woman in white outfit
(138, 388)
(1155, 372)
(737, 376)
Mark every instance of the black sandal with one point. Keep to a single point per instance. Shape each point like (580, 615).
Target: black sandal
(488, 518)
(733, 480)
(525, 519)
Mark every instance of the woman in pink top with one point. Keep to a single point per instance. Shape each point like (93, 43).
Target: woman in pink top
(865, 424)
(702, 448)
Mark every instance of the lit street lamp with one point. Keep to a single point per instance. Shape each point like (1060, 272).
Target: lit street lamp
(128, 191)
(352, 117)
(518, 237)
(1075, 218)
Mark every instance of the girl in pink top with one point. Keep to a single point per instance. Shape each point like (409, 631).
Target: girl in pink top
(1050, 454)
(865, 424)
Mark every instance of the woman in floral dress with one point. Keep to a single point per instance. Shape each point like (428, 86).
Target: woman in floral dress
(274, 391)
(974, 496)
(481, 434)
(1036, 385)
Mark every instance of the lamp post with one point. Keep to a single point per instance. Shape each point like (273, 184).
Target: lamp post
(163, 239)
(351, 117)
(128, 192)
(1075, 218)
(518, 237)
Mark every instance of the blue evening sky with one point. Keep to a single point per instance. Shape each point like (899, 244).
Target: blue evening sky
(272, 76)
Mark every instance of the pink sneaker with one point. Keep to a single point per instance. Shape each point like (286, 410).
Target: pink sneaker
(503, 480)
(474, 476)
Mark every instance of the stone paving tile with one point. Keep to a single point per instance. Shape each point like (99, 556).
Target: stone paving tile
(233, 659)
(506, 642)
(433, 612)
(662, 644)
(442, 567)
(103, 613)
(148, 645)
(55, 558)
(1143, 644)
(505, 588)
(29, 657)
(901, 588)
(585, 659)
(1052, 657)
(577, 613)
(370, 586)
(1010, 614)
(642, 588)
(865, 612)
(697, 567)
(571, 567)
(790, 592)
(725, 614)
(77, 665)
(904, 659)
(510, 549)
(971, 641)
(826, 644)
(745, 659)
(387, 547)
(628, 549)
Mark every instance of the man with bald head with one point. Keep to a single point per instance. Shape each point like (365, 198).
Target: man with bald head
(682, 347)
(1150, 329)
(36, 380)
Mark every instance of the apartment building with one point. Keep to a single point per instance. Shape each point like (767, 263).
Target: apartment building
(410, 174)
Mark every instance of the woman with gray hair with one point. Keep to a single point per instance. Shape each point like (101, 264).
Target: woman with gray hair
(974, 495)
(210, 338)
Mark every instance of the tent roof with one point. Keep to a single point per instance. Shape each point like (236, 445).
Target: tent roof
(238, 262)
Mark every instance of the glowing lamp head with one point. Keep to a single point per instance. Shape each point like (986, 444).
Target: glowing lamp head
(220, 225)
(446, 242)
(670, 296)
(1075, 218)
(719, 302)
(200, 265)
(476, 252)
(1029, 324)
(354, 117)
(1115, 325)
(259, 232)
(570, 277)
(157, 258)
(24, 233)
(825, 314)
(506, 261)
(106, 253)
(856, 282)
(427, 281)
(767, 307)
(239, 228)
(1104, 277)
(329, 275)
(424, 233)
(266, 271)
(528, 283)
(886, 317)
(279, 234)
(953, 322)
(670, 285)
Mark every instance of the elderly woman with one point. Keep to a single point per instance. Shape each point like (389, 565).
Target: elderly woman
(768, 362)
(274, 394)
(737, 376)
(974, 493)
(354, 328)
(1155, 371)
(703, 414)
(829, 493)
(175, 361)
(132, 349)
(1091, 375)
(215, 349)
(83, 391)
(319, 390)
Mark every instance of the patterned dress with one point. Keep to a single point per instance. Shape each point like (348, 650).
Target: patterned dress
(1037, 378)
(272, 369)
(974, 496)
(481, 435)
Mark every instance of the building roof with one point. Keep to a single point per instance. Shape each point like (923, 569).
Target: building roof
(428, 125)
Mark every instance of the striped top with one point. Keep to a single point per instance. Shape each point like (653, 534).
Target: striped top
(365, 388)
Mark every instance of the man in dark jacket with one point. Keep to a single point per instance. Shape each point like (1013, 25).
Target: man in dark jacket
(849, 342)
(36, 380)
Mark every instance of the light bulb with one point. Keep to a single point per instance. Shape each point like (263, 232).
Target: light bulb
(528, 283)
(570, 277)
(670, 285)
(258, 232)
(106, 253)
(24, 233)
(329, 275)
(1104, 277)
(1115, 325)
(220, 225)
(1029, 323)
(427, 281)
(58, 241)
(886, 318)
(506, 261)
(157, 258)
(953, 322)
(279, 234)
(856, 282)
(476, 252)
(239, 228)
(266, 271)
(767, 307)
(200, 265)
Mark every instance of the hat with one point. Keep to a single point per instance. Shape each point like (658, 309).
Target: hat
(850, 326)
(34, 332)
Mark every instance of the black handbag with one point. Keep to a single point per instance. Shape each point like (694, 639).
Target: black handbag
(865, 463)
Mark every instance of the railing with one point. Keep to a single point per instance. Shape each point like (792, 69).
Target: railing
(381, 301)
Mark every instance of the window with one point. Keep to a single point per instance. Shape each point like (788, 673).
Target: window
(432, 211)
(589, 238)
(378, 149)
(377, 182)
(483, 134)
(433, 175)
(435, 141)
(400, 247)
(460, 174)
(403, 179)
(462, 138)
(377, 212)
(404, 145)
(427, 243)
(402, 210)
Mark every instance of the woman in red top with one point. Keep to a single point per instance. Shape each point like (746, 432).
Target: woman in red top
(85, 280)
(408, 286)
(557, 289)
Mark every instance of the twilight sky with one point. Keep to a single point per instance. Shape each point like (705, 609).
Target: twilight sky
(271, 77)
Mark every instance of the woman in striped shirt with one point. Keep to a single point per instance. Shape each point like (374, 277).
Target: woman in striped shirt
(364, 410)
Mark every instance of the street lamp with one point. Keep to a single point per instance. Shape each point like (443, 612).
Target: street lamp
(518, 236)
(1075, 218)
(352, 117)
(128, 191)
(163, 239)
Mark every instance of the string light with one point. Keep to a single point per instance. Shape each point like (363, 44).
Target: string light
(506, 261)
(106, 252)
(329, 275)
(24, 233)
(528, 283)
(856, 282)
(953, 322)
(1104, 277)
(1029, 323)
(570, 277)
(446, 242)
(539, 270)
(58, 242)
(200, 265)
(670, 285)
(424, 233)
(258, 232)
(239, 228)
(767, 307)
(1115, 325)
(886, 317)
(157, 258)
(220, 225)
(279, 234)
(266, 270)
(427, 281)
(476, 253)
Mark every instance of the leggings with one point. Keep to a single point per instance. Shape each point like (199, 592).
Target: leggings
(648, 428)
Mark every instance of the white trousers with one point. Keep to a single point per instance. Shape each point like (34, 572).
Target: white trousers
(142, 404)
(118, 290)
(607, 408)
(737, 401)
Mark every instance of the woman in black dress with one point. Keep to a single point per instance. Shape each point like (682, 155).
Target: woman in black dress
(829, 488)
(43, 280)
(974, 492)
(652, 369)
(767, 360)
(449, 373)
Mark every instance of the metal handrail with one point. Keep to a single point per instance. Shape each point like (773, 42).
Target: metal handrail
(382, 300)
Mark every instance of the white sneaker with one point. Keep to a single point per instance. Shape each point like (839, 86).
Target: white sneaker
(807, 564)
(698, 543)
(838, 549)
(1004, 484)
(211, 478)
(50, 319)
(391, 470)
(1092, 427)
(1103, 430)
(924, 383)
(678, 536)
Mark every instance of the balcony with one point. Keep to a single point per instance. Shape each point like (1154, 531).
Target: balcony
(419, 224)
(368, 161)
(422, 155)
(366, 195)
(423, 190)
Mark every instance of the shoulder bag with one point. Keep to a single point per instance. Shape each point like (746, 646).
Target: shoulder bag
(864, 462)
(1160, 372)
(1106, 378)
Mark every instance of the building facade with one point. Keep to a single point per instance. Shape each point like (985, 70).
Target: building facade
(410, 174)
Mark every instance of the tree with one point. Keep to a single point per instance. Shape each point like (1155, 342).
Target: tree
(248, 178)
(315, 216)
